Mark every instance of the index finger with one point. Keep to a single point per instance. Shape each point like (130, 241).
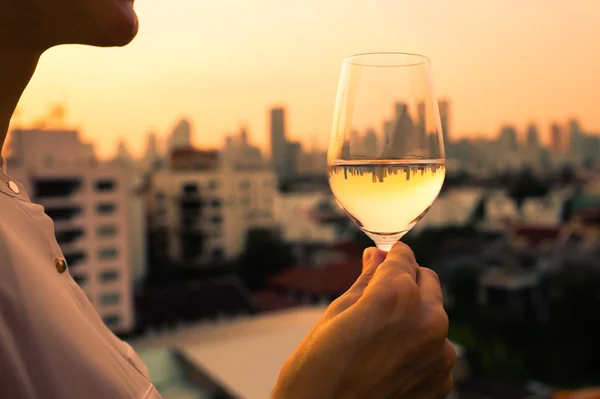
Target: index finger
(430, 286)
(400, 259)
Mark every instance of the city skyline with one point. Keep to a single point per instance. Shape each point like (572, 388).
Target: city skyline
(220, 64)
(183, 130)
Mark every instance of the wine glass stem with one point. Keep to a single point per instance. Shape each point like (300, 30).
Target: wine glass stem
(386, 242)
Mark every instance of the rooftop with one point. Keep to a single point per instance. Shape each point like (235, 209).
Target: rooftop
(240, 356)
(331, 280)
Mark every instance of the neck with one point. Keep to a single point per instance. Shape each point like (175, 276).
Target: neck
(16, 69)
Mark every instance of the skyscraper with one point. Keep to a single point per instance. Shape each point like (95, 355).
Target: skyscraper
(556, 139)
(508, 138)
(576, 138)
(151, 158)
(123, 154)
(279, 147)
(444, 107)
(181, 136)
(371, 145)
(402, 134)
(239, 151)
(532, 139)
(421, 125)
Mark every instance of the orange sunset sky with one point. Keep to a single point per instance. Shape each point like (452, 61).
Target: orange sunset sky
(223, 63)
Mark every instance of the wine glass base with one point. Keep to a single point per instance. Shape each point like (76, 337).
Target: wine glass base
(385, 247)
(385, 242)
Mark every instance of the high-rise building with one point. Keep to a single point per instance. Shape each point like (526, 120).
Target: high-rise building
(444, 107)
(576, 139)
(312, 163)
(401, 143)
(278, 141)
(151, 159)
(200, 216)
(507, 139)
(293, 151)
(239, 151)
(371, 144)
(123, 154)
(532, 139)
(421, 125)
(557, 141)
(388, 128)
(181, 136)
(90, 205)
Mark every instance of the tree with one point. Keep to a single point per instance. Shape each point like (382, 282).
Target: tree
(265, 254)
(463, 286)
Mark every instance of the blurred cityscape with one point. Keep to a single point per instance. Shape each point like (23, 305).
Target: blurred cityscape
(215, 262)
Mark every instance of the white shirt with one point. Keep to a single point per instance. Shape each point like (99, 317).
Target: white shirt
(53, 344)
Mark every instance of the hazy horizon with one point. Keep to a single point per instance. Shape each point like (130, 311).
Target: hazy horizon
(223, 65)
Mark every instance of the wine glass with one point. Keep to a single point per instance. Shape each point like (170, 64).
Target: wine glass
(386, 161)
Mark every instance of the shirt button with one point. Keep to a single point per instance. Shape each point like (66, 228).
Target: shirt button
(13, 186)
(60, 264)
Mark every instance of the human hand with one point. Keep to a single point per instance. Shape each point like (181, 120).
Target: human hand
(384, 338)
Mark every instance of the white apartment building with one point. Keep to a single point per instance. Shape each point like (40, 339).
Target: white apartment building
(294, 214)
(205, 214)
(89, 203)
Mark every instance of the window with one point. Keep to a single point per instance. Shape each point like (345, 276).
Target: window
(62, 213)
(80, 279)
(160, 196)
(244, 184)
(106, 208)
(110, 299)
(108, 276)
(245, 201)
(56, 187)
(74, 258)
(217, 219)
(106, 230)
(69, 236)
(213, 184)
(216, 203)
(107, 253)
(111, 320)
(189, 188)
(105, 185)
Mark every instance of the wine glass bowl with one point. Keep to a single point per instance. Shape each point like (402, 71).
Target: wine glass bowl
(386, 161)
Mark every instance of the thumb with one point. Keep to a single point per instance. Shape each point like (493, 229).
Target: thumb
(372, 258)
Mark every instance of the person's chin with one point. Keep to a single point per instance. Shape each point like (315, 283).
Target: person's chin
(122, 30)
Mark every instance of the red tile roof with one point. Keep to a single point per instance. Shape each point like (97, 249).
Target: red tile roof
(582, 394)
(331, 280)
(535, 235)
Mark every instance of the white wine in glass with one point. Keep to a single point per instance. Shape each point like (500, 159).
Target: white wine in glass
(386, 162)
